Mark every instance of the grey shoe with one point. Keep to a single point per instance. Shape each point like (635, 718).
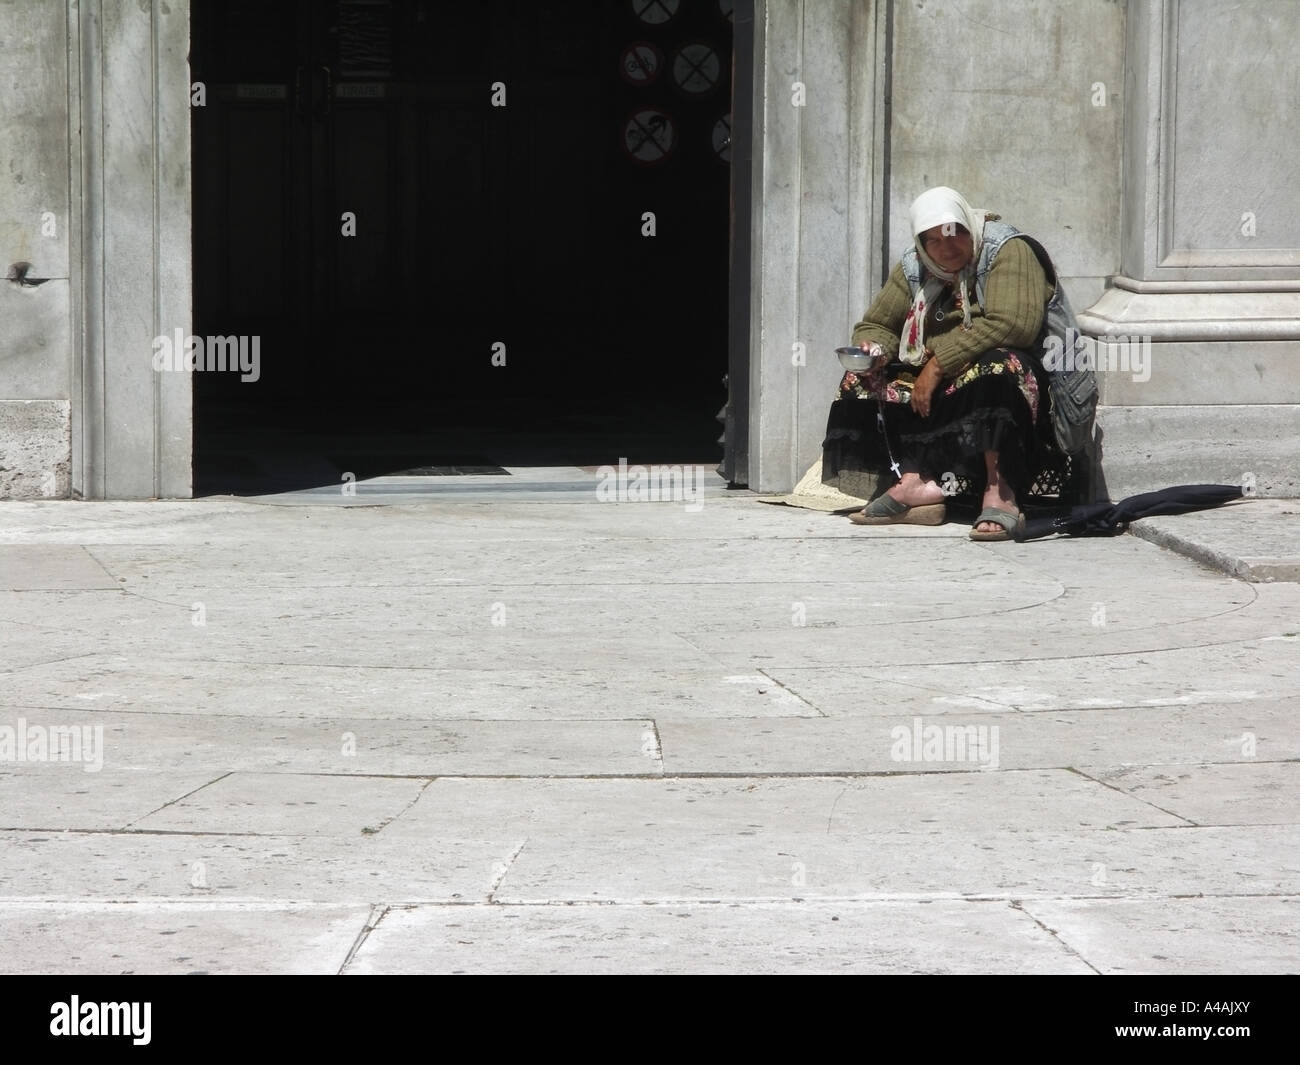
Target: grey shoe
(886, 510)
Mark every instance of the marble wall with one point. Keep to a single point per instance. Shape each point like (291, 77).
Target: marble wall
(1232, 94)
(135, 154)
(1148, 145)
(95, 140)
(35, 230)
(817, 221)
(1210, 250)
(1018, 106)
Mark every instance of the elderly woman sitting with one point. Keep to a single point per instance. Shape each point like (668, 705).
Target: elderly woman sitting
(955, 389)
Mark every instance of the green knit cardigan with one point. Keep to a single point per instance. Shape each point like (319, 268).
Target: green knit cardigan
(1016, 292)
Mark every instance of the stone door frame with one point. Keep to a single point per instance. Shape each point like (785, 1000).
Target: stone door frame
(129, 163)
(817, 197)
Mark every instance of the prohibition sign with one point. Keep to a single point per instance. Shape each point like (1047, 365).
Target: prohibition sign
(722, 138)
(696, 69)
(641, 63)
(654, 12)
(649, 136)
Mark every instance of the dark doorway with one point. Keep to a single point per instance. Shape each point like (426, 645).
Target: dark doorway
(390, 234)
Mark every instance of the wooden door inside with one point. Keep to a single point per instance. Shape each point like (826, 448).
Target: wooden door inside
(493, 231)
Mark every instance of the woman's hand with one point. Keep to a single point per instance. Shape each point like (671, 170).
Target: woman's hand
(927, 382)
(873, 377)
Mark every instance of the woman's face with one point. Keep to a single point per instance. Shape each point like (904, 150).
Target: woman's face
(949, 245)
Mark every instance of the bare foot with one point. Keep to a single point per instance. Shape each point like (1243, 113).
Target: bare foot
(998, 494)
(912, 491)
(1000, 497)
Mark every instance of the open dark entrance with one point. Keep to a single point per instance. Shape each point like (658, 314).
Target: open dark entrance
(394, 197)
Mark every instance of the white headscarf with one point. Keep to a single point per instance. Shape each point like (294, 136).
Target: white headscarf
(936, 207)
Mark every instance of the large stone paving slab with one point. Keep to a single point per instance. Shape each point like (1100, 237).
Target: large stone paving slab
(137, 865)
(259, 636)
(1263, 668)
(715, 556)
(1012, 801)
(1054, 630)
(955, 742)
(288, 804)
(45, 567)
(1258, 793)
(220, 744)
(1215, 935)
(221, 688)
(747, 589)
(262, 629)
(57, 796)
(697, 862)
(58, 626)
(177, 938)
(942, 937)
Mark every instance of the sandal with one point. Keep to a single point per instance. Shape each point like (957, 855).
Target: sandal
(886, 510)
(1012, 525)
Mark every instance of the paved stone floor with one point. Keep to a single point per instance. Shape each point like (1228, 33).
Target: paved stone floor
(529, 732)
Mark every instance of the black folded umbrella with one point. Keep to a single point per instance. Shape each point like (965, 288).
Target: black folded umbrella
(1110, 519)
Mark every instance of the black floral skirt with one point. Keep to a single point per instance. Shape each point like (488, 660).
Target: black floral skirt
(998, 403)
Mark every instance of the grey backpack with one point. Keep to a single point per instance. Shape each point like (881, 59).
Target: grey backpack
(1073, 386)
